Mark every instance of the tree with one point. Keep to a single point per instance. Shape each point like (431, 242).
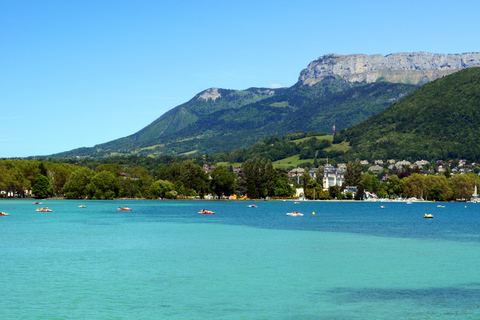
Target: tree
(414, 186)
(319, 175)
(281, 187)
(75, 187)
(394, 186)
(360, 194)
(223, 182)
(446, 173)
(349, 178)
(464, 184)
(159, 188)
(103, 185)
(306, 178)
(60, 174)
(335, 192)
(357, 172)
(41, 187)
(252, 190)
(436, 194)
(272, 179)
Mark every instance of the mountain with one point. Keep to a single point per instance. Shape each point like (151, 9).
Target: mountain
(335, 89)
(414, 68)
(440, 120)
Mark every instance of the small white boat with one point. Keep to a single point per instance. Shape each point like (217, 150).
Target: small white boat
(428, 215)
(294, 214)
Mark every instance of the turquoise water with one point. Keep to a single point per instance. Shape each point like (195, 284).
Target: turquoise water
(163, 260)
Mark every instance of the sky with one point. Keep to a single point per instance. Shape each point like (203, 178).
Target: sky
(80, 73)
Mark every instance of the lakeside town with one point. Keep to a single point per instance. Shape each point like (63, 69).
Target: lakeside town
(450, 180)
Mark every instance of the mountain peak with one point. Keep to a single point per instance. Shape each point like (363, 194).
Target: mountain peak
(208, 94)
(414, 68)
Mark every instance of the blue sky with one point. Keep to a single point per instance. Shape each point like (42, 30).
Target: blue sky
(80, 73)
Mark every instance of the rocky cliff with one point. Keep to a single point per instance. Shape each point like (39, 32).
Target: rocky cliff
(412, 68)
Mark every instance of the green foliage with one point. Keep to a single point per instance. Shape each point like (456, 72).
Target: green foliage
(160, 188)
(263, 180)
(223, 182)
(41, 187)
(75, 187)
(440, 120)
(103, 185)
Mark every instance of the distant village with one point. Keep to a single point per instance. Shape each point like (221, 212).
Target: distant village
(334, 176)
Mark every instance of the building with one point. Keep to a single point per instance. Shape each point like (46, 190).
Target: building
(332, 177)
(375, 168)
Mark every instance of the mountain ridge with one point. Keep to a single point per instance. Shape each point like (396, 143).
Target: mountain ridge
(200, 124)
(415, 68)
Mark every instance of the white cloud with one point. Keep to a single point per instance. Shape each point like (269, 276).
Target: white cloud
(275, 85)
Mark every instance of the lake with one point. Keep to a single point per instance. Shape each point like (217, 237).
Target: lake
(163, 260)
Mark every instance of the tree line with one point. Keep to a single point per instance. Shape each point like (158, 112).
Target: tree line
(184, 179)
(174, 179)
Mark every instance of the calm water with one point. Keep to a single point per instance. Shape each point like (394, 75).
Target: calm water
(163, 260)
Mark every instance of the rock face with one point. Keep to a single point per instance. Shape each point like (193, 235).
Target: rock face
(413, 68)
(211, 93)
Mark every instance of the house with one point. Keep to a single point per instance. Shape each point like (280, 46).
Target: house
(352, 189)
(375, 168)
(421, 163)
(378, 161)
(332, 177)
(364, 162)
(297, 171)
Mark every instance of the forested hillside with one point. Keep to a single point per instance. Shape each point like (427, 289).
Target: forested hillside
(239, 119)
(440, 120)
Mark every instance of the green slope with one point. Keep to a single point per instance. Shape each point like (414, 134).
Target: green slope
(440, 120)
(238, 119)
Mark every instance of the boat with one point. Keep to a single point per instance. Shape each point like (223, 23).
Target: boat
(475, 198)
(294, 214)
(440, 206)
(428, 215)
(3, 214)
(124, 209)
(252, 206)
(297, 202)
(206, 212)
(82, 206)
(37, 202)
(44, 210)
(382, 207)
